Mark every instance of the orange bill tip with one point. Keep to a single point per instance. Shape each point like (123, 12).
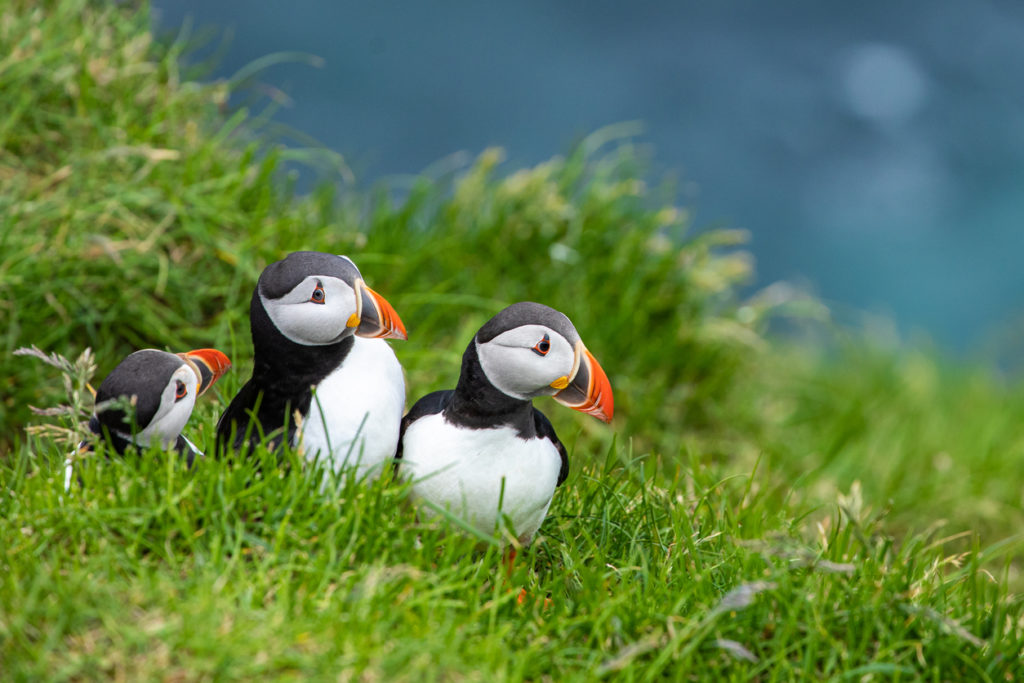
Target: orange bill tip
(589, 391)
(379, 320)
(209, 364)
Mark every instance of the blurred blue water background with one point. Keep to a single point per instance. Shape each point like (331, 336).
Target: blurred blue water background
(875, 150)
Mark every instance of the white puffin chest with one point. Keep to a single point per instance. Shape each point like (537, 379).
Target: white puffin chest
(481, 475)
(356, 411)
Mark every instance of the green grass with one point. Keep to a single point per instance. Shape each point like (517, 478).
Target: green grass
(757, 510)
(150, 571)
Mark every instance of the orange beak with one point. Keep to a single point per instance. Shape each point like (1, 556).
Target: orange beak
(377, 318)
(208, 364)
(589, 390)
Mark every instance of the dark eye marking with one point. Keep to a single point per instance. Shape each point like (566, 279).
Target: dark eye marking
(542, 347)
(319, 296)
(181, 391)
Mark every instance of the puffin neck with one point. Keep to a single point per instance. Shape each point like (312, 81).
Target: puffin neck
(478, 404)
(283, 366)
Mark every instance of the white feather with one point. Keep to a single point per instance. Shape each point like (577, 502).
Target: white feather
(69, 470)
(470, 471)
(356, 411)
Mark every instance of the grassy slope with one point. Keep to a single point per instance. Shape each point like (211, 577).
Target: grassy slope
(718, 530)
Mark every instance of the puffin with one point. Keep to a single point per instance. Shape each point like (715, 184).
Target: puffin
(324, 379)
(149, 397)
(482, 451)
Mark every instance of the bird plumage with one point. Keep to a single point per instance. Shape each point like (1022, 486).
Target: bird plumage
(323, 380)
(149, 397)
(482, 451)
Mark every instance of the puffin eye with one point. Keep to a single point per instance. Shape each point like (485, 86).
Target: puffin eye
(319, 296)
(181, 391)
(542, 347)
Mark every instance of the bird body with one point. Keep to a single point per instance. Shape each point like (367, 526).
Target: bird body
(483, 475)
(323, 381)
(482, 451)
(148, 398)
(363, 433)
(150, 395)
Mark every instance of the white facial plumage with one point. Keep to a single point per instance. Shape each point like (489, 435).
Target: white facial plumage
(315, 312)
(173, 413)
(524, 361)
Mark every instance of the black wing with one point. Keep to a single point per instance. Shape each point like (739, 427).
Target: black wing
(235, 431)
(234, 421)
(545, 430)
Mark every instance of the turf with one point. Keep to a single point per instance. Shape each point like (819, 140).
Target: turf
(762, 508)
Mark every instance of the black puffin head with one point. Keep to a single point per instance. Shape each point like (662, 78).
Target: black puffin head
(150, 394)
(311, 300)
(529, 350)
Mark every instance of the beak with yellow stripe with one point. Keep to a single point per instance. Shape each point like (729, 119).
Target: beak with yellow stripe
(587, 388)
(208, 364)
(375, 318)
(530, 350)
